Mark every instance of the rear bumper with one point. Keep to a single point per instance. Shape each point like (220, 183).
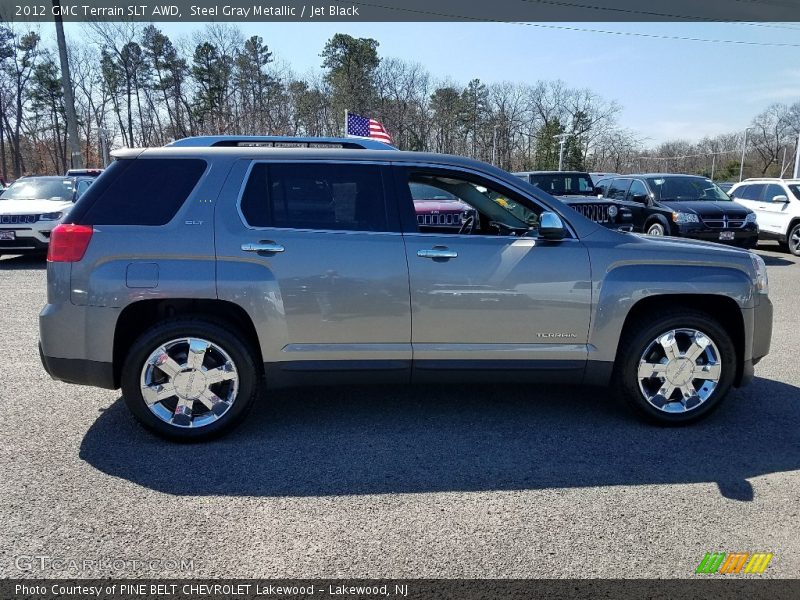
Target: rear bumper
(76, 343)
(80, 371)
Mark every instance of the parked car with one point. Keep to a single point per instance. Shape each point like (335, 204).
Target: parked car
(84, 172)
(438, 208)
(776, 203)
(725, 186)
(248, 267)
(683, 206)
(32, 206)
(576, 190)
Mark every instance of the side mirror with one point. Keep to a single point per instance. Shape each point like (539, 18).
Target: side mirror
(780, 198)
(640, 198)
(551, 227)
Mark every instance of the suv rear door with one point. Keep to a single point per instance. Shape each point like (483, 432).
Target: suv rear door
(773, 216)
(312, 251)
(492, 300)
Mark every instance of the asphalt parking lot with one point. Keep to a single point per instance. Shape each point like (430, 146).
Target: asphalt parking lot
(494, 481)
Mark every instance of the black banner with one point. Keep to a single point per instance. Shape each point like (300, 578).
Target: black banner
(701, 587)
(403, 10)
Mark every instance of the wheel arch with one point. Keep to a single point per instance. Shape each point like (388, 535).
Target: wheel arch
(139, 316)
(656, 218)
(722, 308)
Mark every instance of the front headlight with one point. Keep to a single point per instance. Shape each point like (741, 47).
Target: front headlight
(682, 217)
(51, 216)
(750, 218)
(761, 281)
(612, 211)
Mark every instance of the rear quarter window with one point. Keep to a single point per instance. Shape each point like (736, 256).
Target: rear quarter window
(142, 191)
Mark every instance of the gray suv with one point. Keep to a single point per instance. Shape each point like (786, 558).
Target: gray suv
(197, 275)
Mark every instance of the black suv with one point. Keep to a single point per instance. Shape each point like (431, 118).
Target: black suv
(682, 205)
(576, 190)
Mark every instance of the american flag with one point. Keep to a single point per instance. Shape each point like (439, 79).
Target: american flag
(364, 127)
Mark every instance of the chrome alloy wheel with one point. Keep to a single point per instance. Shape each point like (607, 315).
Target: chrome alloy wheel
(189, 382)
(679, 370)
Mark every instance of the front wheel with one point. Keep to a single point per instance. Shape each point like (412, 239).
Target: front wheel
(656, 229)
(189, 379)
(793, 239)
(675, 368)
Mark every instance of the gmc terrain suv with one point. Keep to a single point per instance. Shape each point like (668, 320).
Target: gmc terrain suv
(194, 276)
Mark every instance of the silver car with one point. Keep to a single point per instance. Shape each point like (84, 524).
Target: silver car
(197, 276)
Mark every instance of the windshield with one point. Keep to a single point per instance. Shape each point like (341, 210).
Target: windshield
(40, 188)
(564, 184)
(795, 187)
(686, 188)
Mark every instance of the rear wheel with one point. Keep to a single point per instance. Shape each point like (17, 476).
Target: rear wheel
(189, 379)
(675, 368)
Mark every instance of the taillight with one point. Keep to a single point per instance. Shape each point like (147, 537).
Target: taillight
(68, 243)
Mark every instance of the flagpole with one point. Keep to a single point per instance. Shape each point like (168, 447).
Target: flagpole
(346, 112)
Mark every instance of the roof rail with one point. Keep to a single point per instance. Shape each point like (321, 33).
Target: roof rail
(278, 141)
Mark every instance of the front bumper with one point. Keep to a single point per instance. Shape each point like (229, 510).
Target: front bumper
(744, 237)
(761, 339)
(31, 238)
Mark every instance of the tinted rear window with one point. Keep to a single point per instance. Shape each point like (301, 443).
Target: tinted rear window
(139, 192)
(315, 196)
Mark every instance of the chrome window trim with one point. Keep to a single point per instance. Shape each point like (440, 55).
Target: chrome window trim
(390, 163)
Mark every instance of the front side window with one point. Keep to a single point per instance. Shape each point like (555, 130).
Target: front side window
(602, 185)
(466, 206)
(772, 191)
(618, 189)
(637, 192)
(315, 196)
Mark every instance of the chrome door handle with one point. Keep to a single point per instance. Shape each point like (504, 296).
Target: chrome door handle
(263, 247)
(437, 252)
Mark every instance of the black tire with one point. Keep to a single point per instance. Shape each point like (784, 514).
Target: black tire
(636, 338)
(793, 239)
(222, 335)
(656, 228)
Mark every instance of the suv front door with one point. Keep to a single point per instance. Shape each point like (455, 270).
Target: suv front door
(492, 296)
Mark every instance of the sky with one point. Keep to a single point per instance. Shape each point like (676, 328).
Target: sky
(668, 88)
